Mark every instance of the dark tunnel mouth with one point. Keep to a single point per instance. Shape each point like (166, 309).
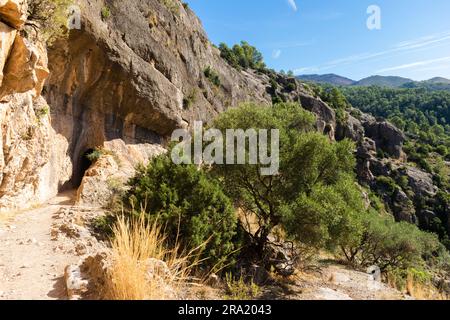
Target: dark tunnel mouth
(84, 163)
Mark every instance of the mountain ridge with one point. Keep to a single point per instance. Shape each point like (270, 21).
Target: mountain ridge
(377, 80)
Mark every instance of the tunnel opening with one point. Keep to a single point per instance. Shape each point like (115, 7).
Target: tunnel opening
(83, 164)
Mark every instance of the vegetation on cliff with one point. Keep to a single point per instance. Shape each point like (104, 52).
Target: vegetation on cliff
(50, 16)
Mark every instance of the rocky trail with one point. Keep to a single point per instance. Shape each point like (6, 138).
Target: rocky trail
(32, 259)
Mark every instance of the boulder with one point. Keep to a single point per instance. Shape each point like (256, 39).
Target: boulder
(26, 68)
(403, 207)
(386, 136)
(108, 175)
(426, 218)
(421, 182)
(14, 12)
(326, 116)
(7, 36)
(76, 285)
(86, 280)
(351, 129)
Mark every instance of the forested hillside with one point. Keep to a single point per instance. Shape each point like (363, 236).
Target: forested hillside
(424, 116)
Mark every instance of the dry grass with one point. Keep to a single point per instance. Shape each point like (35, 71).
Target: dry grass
(419, 289)
(143, 267)
(422, 291)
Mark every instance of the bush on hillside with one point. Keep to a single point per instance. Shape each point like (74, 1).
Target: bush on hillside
(391, 245)
(311, 167)
(191, 205)
(242, 56)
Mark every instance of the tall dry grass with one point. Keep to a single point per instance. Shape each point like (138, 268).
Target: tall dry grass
(419, 289)
(423, 291)
(143, 266)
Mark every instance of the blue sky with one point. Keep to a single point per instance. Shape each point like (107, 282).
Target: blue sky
(331, 36)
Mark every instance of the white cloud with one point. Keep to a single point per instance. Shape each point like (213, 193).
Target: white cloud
(292, 4)
(414, 64)
(402, 47)
(276, 54)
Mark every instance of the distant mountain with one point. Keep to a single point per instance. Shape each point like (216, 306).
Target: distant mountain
(381, 81)
(437, 83)
(331, 78)
(438, 80)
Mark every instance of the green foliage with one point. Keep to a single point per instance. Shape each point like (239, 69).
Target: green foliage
(190, 205)
(387, 184)
(190, 99)
(423, 114)
(242, 56)
(391, 245)
(95, 155)
(240, 289)
(50, 16)
(335, 98)
(41, 113)
(327, 217)
(212, 76)
(171, 5)
(310, 167)
(102, 225)
(106, 12)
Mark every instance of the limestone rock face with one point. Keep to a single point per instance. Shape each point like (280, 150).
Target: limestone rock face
(352, 129)
(326, 117)
(7, 37)
(421, 182)
(32, 155)
(14, 12)
(30, 166)
(111, 171)
(387, 137)
(26, 68)
(134, 73)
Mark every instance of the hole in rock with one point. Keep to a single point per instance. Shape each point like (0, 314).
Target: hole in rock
(83, 165)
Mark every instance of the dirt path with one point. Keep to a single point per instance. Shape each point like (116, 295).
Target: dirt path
(330, 281)
(30, 265)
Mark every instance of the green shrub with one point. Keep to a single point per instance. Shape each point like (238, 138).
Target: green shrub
(106, 13)
(190, 99)
(95, 155)
(239, 289)
(189, 204)
(387, 184)
(242, 56)
(391, 245)
(212, 76)
(311, 166)
(328, 216)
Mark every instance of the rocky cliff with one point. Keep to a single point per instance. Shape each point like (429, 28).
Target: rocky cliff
(126, 81)
(32, 157)
(120, 85)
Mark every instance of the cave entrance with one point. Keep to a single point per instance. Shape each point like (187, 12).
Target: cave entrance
(84, 163)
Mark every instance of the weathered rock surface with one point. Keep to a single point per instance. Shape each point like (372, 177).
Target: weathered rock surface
(32, 154)
(30, 167)
(14, 12)
(108, 175)
(387, 137)
(7, 37)
(352, 129)
(421, 182)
